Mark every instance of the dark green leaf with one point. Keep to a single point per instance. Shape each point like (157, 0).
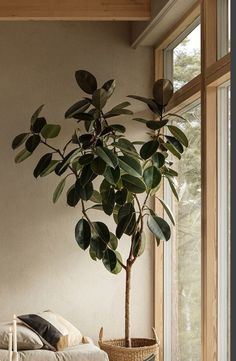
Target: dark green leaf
(86, 159)
(83, 234)
(118, 128)
(172, 149)
(118, 267)
(152, 177)
(92, 254)
(79, 107)
(109, 86)
(121, 196)
(42, 164)
(99, 98)
(86, 81)
(38, 125)
(97, 246)
(113, 242)
(102, 231)
(50, 168)
(172, 186)
(112, 175)
(59, 189)
(32, 143)
(133, 184)
(130, 165)
(163, 91)
(108, 199)
(149, 148)
(108, 156)
(87, 175)
(20, 157)
(156, 124)
(175, 143)
(159, 227)
(158, 159)
(109, 260)
(36, 114)
(85, 192)
(73, 196)
(150, 102)
(126, 220)
(98, 166)
(139, 244)
(50, 130)
(178, 134)
(168, 211)
(84, 116)
(96, 197)
(141, 120)
(19, 139)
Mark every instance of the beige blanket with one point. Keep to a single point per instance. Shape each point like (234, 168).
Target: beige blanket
(84, 352)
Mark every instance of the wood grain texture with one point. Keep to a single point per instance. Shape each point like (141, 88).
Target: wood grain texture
(159, 251)
(75, 10)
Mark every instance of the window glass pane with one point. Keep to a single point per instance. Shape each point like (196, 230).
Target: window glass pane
(224, 27)
(186, 59)
(186, 246)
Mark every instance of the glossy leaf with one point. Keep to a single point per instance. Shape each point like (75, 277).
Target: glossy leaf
(19, 139)
(130, 165)
(172, 186)
(96, 197)
(99, 98)
(98, 166)
(43, 163)
(50, 168)
(87, 175)
(59, 189)
(172, 149)
(73, 196)
(126, 220)
(38, 125)
(152, 177)
(121, 196)
(141, 120)
(109, 86)
(36, 114)
(85, 192)
(178, 134)
(175, 143)
(158, 159)
(118, 128)
(50, 130)
(139, 243)
(109, 260)
(163, 91)
(113, 242)
(20, 157)
(79, 107)
(102, 231)
(86, 81)
(112, 175)
(149, 148)
(32, 143)
(133, 184)
(159, 227)
(108, 156)
(86, 158)
(108, 199)
(168, 211)
(84, 116)
(156, 124)
(83, 234)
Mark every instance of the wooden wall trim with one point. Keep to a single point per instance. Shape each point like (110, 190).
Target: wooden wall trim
(75, 10)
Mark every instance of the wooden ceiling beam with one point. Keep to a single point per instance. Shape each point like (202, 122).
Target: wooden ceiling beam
(93, 10)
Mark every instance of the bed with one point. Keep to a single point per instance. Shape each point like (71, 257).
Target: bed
(83, 352)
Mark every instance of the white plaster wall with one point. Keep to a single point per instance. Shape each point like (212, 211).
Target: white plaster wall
(41, 266)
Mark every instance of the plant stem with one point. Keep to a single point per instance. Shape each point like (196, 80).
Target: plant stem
(127, 304)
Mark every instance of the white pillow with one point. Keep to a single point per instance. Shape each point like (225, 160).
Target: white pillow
(66, 328)
(26, 338)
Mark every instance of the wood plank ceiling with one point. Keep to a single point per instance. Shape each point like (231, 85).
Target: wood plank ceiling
(129, 10)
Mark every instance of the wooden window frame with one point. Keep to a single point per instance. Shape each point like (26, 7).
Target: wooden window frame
(213, 73)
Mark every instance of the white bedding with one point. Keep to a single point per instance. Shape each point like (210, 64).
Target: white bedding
(83, 352)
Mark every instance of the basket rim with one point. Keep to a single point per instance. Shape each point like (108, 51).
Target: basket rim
(108, 343)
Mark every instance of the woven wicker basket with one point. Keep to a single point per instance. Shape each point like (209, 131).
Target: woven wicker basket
(140, 350)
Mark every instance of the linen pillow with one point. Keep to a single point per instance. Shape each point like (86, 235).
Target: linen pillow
(74, 335)
(26, 338)
(51, 332)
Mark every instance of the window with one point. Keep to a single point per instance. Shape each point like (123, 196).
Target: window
(193, 318)
(183, 59)
(183, 254)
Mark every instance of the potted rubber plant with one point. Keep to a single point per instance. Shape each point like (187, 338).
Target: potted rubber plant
(112, 174)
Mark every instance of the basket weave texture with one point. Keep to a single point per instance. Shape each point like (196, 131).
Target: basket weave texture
(140, 349)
